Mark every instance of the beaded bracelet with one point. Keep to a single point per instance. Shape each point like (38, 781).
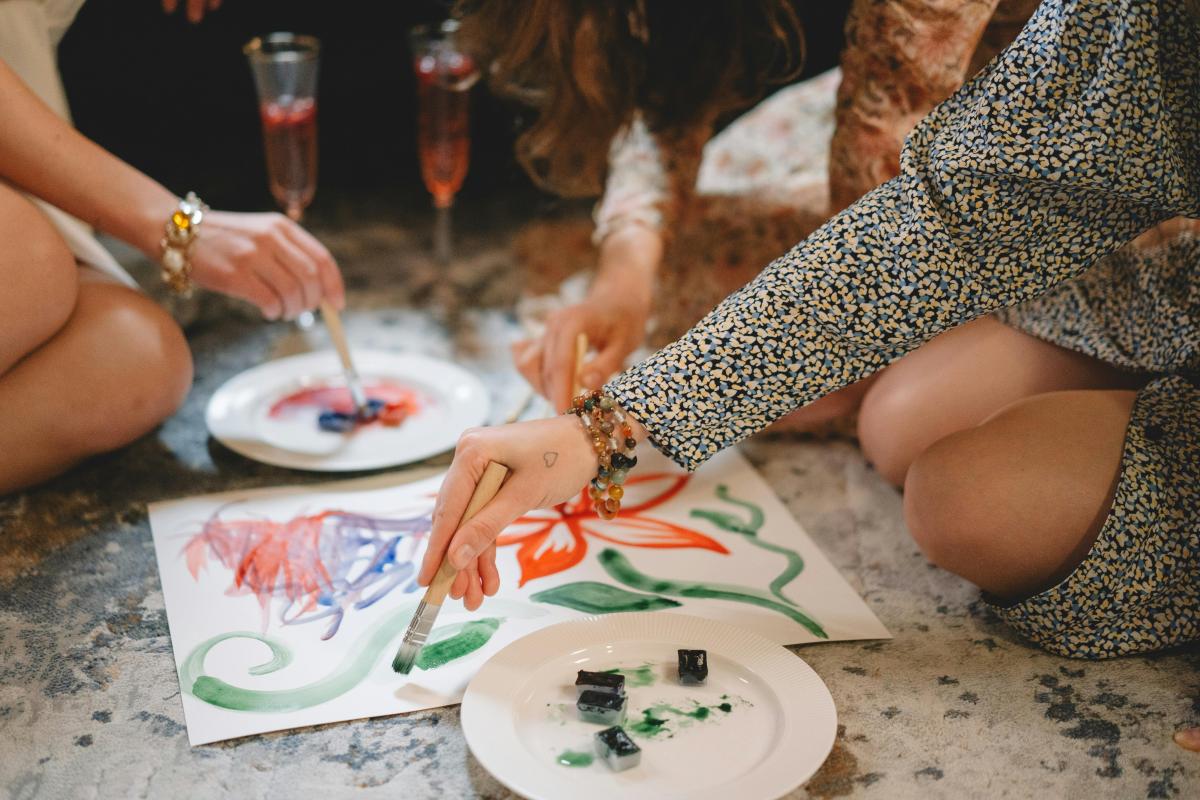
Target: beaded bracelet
(612, 438)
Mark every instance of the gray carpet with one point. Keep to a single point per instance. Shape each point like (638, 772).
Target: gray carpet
(954, 706)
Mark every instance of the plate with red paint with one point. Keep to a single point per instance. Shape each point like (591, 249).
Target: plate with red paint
(761, 725)
(271, 413)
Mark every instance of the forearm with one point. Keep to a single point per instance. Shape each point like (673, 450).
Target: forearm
(628, 266)
(46, 157)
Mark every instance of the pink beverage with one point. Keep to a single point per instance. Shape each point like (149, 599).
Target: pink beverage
(443, 119)
(290, 136)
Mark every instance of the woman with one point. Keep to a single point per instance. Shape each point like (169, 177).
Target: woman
(689, 216)
(1073, 507)
(87, 362)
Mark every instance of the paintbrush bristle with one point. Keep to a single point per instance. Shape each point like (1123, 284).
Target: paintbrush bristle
(406, 657)
(414, 637)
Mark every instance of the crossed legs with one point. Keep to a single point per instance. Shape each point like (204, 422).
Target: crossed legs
(86, 365)
(1008, 449)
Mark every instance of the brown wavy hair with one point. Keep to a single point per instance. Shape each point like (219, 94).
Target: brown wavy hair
(587, 65)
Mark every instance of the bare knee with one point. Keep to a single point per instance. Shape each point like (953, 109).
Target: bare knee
(953, 511)
(890, 427)
(39, 275)
(142, 367)
(1014, 505)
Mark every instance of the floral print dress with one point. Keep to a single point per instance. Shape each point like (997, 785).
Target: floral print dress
(1080, 136)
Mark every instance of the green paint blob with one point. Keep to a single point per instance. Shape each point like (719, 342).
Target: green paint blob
(731, 524)
(657, 718)
(620, 569)
(353, 668)
(648, 726)
(574, 758)
(592, 597)
(466, 638)
(636, 677)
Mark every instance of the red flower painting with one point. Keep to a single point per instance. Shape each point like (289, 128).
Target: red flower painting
(554, 540)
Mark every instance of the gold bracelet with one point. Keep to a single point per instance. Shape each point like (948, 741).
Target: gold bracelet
(181, 230)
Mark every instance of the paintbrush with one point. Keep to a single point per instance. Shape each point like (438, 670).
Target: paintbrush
(333, 322)
(431, 603)
(581, 348)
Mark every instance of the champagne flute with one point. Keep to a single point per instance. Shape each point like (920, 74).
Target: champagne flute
(445, 74)
(285, 74)
(284, 66)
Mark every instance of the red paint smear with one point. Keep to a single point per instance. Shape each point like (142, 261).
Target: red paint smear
(266, 556)
(399, 401)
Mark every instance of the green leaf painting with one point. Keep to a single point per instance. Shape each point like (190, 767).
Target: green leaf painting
(592, 597)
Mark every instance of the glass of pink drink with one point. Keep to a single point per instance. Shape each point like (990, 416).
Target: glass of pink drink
(285, 73)
(445, 74)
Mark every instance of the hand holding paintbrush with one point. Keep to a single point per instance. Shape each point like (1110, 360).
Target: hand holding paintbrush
(440, 585)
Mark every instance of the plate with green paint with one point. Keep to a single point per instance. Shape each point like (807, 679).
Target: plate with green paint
(760, 726)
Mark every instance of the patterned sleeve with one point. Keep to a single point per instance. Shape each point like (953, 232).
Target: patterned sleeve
(1085, 133)
(650, 178)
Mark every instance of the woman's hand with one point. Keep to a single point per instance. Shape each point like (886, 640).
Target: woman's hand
(267, 260)
(548, 460)
(615, 327)
(613, 316)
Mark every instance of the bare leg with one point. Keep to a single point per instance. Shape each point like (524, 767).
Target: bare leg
(961, 378)
(1014, 505)
(86, 365)
(825, 413)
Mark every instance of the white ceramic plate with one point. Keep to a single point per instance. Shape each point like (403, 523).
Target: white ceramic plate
(238, 414)
(518, 713)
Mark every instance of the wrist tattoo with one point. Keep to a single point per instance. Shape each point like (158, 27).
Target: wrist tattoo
(549, 458)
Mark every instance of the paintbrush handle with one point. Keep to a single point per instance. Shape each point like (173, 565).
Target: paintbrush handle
(581, 348)
(333, 322)
(485, 490)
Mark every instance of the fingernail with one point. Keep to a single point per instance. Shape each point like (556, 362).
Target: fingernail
(463, 556)
(591, 379)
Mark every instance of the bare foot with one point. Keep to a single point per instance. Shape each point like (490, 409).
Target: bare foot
(1188, 739)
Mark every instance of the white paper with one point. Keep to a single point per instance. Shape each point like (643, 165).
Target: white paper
(319, 684)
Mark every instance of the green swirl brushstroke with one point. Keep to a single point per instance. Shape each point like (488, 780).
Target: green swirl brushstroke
(449, 643)
(593, 597)
(358, 660)
(620, 570)
(731, 524)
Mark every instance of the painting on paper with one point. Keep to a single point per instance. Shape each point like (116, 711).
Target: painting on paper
(286, 605)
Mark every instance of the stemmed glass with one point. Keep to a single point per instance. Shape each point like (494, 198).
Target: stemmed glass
(445, 74)
(284, 66)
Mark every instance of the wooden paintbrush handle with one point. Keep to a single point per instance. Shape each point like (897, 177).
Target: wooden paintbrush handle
(333, 321)
(485, 490)
(581, 348)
